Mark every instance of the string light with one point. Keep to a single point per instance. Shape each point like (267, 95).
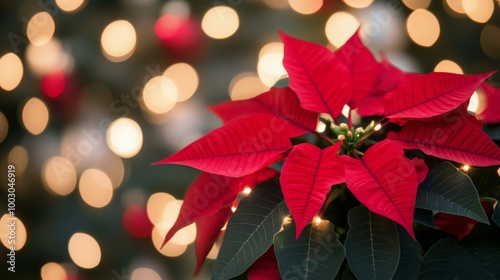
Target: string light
(321, 127)
(465, 167)
(11, 71)
(317, 220)
(247, 191)
(377, 127)
(233, 209)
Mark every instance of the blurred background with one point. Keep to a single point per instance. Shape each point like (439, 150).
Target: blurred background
(93, 92)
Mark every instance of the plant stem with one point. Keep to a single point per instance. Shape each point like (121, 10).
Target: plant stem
(324, 137)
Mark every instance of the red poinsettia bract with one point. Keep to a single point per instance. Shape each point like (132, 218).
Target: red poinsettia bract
(257, 133)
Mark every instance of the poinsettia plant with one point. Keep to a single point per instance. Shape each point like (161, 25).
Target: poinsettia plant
(386, 198)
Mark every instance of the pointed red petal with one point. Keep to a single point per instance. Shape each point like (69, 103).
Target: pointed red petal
(281, 102)
(389, 77)
(210, 192)
(457, 140)
(491, 112)
(240, 147)
(427, 95)
(208, 229)
(265, 267)
(306, 178)
(362, 66)
(385, 181)
(321, 81)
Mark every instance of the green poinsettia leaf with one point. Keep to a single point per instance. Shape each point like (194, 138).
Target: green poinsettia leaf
(448, 190)
(410, 259)
(477, 258)
(424, 217)
(372, 245)
(250, 230)
(317, 253)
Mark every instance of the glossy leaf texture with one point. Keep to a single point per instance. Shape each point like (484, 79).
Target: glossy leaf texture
(496, 215)
(389, 77)
(372, 245)
(459, 141)
(410, 259)
(240, 147)
(489, 112)
(385, 181)
(320, 79)
(250, 231)
(448, 190)
(317, 254)
(362, 66)
(280, 102)
(265, 267)
(307, 177)
(210, 192)
(208, 229)
(477, 258)
(427, 95)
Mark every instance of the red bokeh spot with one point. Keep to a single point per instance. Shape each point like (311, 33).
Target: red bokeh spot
(53, 84)
(167, 26)
(136, 222)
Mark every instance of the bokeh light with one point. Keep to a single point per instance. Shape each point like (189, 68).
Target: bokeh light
(170, 249)
(423, 27)
(4, 127)
(48, 58)
(478, 10)
(212, 255)
(448, 66)
(144, 273)
(358, 4)
(35, 116)
(95, 188)
(114, 167)
(71, 6)
(18, 156)
(53, 271)
(473, 103)
(159, 95)
(11, 71)
(490, 41)
(118, 40)
(124, 137)
(20, 236)
(270, 65)
(136, 222)
(220, 22)
(186, 235)
(40, 28)
(156, 204)
(59, 176)
(84, 250)
(417, 4)
(306, 7)
(340, 27)
(246, 85)
(456, 6)
(185, 79)
(53, 84)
